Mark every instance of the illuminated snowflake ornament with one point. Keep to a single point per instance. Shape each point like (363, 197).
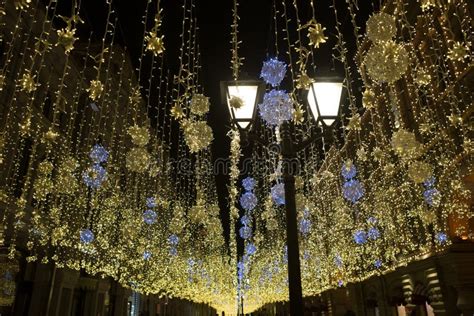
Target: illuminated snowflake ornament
(276, 108)
(273, 72)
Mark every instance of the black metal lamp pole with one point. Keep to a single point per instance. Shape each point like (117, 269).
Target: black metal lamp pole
(288, 153)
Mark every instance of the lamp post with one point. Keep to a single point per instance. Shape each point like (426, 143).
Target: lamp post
(323, 99)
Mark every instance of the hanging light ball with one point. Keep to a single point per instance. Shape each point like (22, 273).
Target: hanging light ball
(94, 176)
(86, 236)
(245, 232)
(173, 240)
(373, 233)
(146, 255)
(381, 27)
(149, 217)
(151, 202)
(432, 197)
(198, 135)
(245, 220)
(276, 108)
(353, 190)
(305, 226)
(386, 61)
(250, 249)
(99, 154)
(248, 201)
(273, 71)
(248, 183)
(348, 170)
(278, 193)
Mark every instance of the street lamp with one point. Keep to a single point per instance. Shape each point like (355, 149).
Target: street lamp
(249, 92)
(323, 100)
(324, 97)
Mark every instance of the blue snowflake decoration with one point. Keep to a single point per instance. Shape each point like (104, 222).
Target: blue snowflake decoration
(378, 264)
(353, 190)
(94, 176)
(441, 237)
(173, 240)
(151, 202)
(273, 71)
(278, 193)
(250, 249)
(285, 255)
(305, 226)
(86, 236)
(338, 260)
(146, 255)
(245, 232)
(340, 283)
(430, 182)
(306, 255)
(149, 217)
(373, 233)
(276, 108)
(173, 251)
(432, 197)
(248, 201)
(99, 154)
(245, 220)
(348, 171)
(360, 237)
(249, 183)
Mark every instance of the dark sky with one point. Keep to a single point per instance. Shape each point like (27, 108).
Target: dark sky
(214, 19)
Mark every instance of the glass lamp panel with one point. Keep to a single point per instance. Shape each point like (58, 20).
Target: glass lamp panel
(328, 97)
(248, 94)
(312, 104)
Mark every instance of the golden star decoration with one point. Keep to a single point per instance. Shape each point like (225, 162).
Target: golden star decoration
(27, 82)
(177, 111)
(67, 38)
(304, 81)
(458, 52)
(316, 34)
(155, 44)
(298, 115)
(95, 90)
